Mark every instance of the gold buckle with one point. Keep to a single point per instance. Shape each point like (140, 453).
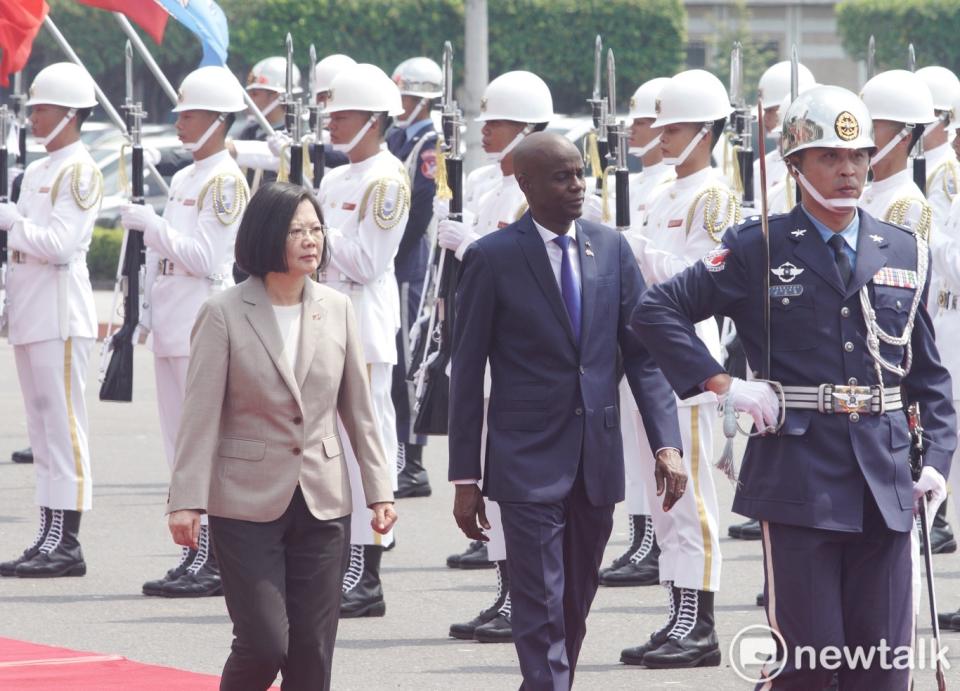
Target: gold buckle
(851, 399)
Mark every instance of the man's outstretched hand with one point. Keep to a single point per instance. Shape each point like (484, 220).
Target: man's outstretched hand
(470, 512)
(671, 477)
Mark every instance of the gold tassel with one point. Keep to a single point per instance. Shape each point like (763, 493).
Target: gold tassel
(283, 171)
(737, 179)
(593, 155)
(605, 195)
(307, 161)
(122, 176)
(440, 177)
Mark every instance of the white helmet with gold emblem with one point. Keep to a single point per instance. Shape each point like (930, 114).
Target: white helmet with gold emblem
(643, 103)
(62, 84)
(364, 87)
(692, 96)
(826, 116)
(518, 96)
(270, 74)
(211, 88)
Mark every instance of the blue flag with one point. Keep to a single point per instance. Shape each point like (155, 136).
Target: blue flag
(206, 20)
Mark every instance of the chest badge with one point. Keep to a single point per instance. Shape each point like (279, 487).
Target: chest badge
(877, 238)
(799, 232)
(786, 272)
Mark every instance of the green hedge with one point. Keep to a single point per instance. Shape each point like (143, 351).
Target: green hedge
(104, 254)
(931, 25)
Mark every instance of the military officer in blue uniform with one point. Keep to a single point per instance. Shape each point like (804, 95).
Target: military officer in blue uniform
(413, 140)
(851, 346)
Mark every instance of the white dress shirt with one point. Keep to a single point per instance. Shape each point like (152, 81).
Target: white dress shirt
(555, 253)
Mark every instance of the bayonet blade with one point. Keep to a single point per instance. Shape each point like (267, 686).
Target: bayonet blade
(736, 75)
(313, 68)
(289, 70)
(611, 84)
(911, 58)
(794, 72)
(871, 57)
(128, 71)
(447, 74)
(597, 59)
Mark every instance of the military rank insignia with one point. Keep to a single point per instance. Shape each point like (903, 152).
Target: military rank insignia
(896, 278)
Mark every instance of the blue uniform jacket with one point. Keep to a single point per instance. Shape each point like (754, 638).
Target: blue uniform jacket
(410, 264)
(815, 471)
(553, 403)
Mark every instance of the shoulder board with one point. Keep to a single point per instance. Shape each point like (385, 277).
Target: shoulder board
(228, 194)
(85, 181)
(391, 199)
(721, 210)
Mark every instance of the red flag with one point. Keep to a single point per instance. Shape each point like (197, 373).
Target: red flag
(19, 23)
(146, 14)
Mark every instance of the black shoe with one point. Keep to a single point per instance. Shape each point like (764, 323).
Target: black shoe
(749, 530)
(466, 630)
(362, 592)
(412, 480)
(761, 600)
(634, 656)
(60, 554)
(946, 619)
(942, 540)
(642, 568)
(474, 557)
(955, 622)
(9, 568)
(639, 524)
(201, 578)
(497, 630)
(22, 456)
(692, 641)
(453, 561)
(155, 587)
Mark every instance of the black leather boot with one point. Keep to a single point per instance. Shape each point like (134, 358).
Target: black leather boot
(634, 656)
(942, 540)
(9, 568)
(642, 566)
(947, 618)
(499, 629)
(412, 480)
(748, 530)
(187, 556)
(201, 578)
(362, 591)
(22, 456)
(466, 630)
(473, 557)
(692, 641)
(60, 553)
(637, 524)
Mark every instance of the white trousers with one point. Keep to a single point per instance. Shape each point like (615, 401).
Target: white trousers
(689, 533)
(53, 377)
(497, 543)
(171, 376)
(637, 455)
(381, 381)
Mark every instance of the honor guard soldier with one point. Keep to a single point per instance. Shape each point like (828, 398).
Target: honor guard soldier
(639, 564)
(684, 221)
(851, 344)
(900, 106)
(943, 171)
(514, 105)
(51, 316)
(413, 140)
(366, 205)
(189, 257)
(323, 75)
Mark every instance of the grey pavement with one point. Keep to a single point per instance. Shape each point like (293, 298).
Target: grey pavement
(126, 542)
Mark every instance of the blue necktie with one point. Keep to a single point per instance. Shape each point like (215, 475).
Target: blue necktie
(568, 286)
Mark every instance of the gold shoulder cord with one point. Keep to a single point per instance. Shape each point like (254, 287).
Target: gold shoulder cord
(897, 213)
(522, 210)
(84, 201)
(225, 215)
(385, 217)
(949, 175)
(713, 206)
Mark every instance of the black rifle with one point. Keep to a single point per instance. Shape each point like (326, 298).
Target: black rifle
(118, 378)
(618, 137)
(741, 122)
(317, 154)
(598, 110)
(291, 108)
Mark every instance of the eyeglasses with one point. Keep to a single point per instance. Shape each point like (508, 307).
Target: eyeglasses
(300, 233)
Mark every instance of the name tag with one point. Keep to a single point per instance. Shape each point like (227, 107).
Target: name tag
(44, 190)
(675, 223)
(786, 291)
(897, 278)
(349, 206)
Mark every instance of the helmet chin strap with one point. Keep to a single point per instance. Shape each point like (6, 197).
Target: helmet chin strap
(403, 124)
(272, 106)
(685, 154)
(193, 147)
(498, 156)
(643, 150)
(836, 204)
(349, 146)
(43, 141)
(888, 147)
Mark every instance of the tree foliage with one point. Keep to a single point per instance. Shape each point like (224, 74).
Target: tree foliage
(756, 55)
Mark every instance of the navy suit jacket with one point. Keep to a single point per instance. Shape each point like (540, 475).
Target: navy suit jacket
(553, 405)
(410, 264)
(815, 471)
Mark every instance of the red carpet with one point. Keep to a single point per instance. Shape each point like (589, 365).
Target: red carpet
(30, 667)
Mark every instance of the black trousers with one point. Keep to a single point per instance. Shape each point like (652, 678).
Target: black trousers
(281, 582)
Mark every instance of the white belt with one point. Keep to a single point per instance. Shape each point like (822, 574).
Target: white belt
(843, 399)
(337, 277)
(167, 267)
(18, 257)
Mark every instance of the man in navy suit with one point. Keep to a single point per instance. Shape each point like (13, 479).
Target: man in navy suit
(547, 301)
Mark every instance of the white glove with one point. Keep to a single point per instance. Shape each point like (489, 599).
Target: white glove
(930, 481)
(138, 217)
(8, 215)
(451, 234)
(593, 208)
(151, 155)
(277, 142)
(756, 398)
(441, 208)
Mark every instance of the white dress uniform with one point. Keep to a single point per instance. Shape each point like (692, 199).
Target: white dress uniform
(52, 319)
(189, 257)
(684, 221)
(897, 199)
(478, 182)
(776, 177)
(943, 173)
(365, 207)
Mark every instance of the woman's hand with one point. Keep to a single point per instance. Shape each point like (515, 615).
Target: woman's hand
(384, 516)
(185, 527)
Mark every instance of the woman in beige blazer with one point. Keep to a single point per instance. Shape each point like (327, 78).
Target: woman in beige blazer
(273, 361)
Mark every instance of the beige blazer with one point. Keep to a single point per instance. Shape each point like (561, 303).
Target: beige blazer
(252, 429)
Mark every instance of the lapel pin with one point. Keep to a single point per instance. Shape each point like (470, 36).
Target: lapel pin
(799, 232)
(877, 238)
(587, 250)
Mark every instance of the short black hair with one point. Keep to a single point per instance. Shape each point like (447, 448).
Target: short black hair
(228, 120)
(261, 245)
(717, 129)
(82, 115)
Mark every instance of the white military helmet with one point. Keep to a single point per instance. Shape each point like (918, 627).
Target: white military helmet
(364, 87)
(63, 84)
(826, 116)
(518, 96)
(327, 69)
(270, 74)
(419, 77)
(943, 84)
(692, 96)
(900, 96)
(775, 83)
(210, 88)
(643, 103)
